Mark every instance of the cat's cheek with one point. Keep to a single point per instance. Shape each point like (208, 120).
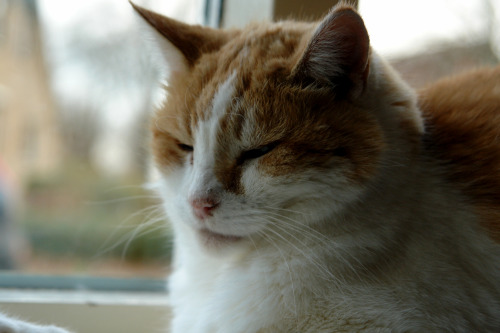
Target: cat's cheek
(173, 188)
(252, 181)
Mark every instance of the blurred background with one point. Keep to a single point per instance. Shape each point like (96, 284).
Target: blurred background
(77, 87)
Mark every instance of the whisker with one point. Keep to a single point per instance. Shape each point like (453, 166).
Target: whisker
(285, 210)
(298, 226)
(151, 211)
(124, 187)
(136, 234)
(269, 238)
(336, 250)
(318, 265)
(113, 201)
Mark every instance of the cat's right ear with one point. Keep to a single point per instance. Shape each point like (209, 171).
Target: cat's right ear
(338, 53)
(180, 45)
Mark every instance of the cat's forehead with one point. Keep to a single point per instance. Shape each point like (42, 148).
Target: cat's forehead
(255, 56)
(237, 77)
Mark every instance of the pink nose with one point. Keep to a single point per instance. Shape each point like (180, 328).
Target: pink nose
(203, 207)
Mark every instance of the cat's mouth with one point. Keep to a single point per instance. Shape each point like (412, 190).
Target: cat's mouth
(212, 238)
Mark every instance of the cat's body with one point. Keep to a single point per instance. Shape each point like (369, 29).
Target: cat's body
(463, 134)
(308, 193)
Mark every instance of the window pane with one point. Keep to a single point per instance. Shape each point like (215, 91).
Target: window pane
(76, 92)
(429, 39)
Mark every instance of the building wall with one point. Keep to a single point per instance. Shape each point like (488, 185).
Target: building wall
(237, 13)
(29, 139)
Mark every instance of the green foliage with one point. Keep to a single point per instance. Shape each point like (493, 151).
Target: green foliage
(80, 214)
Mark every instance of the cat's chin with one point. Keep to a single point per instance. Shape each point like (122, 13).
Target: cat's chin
(210, 238)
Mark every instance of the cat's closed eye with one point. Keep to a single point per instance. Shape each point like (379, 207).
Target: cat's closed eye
(256, 153)
(340, 152)
(184, 147)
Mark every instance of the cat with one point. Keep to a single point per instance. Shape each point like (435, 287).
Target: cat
(311, 190)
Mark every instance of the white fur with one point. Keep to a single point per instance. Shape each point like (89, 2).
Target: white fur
(202, 177)
(165, 56)
(12, 325)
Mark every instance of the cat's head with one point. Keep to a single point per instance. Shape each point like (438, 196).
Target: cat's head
(273, 128)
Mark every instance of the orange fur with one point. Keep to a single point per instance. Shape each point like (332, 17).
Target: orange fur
(463, 121)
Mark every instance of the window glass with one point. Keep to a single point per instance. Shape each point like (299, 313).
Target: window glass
(429, 39)
(76, 92)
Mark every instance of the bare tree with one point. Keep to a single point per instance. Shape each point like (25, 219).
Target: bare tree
(117, 68)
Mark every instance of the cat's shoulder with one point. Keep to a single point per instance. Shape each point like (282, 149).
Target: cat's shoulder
(462, 115)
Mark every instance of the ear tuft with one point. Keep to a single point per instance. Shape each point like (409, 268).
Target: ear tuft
(338, 53)
(183, 44)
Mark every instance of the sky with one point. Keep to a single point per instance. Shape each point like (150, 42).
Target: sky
(91, 21)
(402, 27)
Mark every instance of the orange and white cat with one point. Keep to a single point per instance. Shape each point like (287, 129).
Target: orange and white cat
(311, 190)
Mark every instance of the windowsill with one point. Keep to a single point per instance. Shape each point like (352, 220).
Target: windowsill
(86, 310)
(15, 280)
(91, 298)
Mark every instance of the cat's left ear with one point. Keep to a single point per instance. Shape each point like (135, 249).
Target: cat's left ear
(338, 53)
(180, 44)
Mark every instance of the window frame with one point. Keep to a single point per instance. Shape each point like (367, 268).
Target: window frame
(89, 311)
